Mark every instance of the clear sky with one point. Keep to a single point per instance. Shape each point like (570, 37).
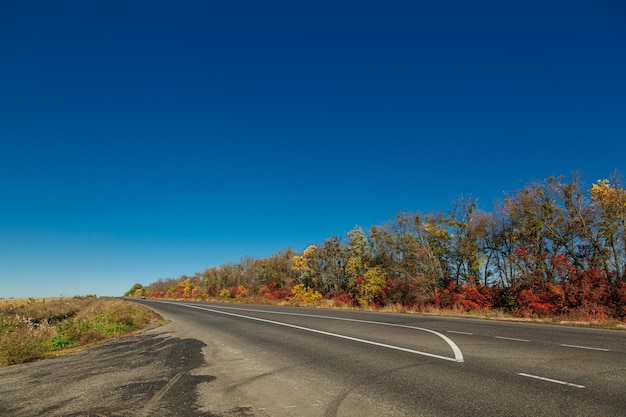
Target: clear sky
(149, 139)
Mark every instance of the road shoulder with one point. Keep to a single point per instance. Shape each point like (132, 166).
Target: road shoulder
(152, 373)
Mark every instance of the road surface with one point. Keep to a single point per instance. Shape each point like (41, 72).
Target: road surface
(280, 361)
(229, 360)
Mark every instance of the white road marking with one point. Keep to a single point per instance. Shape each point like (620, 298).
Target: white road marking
(512, 338)
(455, 332)
(556, 381)
(458, 356)
(586, 347)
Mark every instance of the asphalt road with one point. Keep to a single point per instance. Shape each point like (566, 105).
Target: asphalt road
(228, 360)
(279, 361)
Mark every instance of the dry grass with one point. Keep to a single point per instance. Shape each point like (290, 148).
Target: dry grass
(32, 329)
(456, 311)
(504, 316)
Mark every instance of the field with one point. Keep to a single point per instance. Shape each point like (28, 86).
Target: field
(32, 329)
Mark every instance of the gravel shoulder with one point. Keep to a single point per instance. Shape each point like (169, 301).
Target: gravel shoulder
(152, 373)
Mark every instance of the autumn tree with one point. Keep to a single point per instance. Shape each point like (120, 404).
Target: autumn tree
(328, 262)
(276, 270)
(403, 249)
(609, 201)
(135, 291)
(303, 265)
(465, 251)
(370, 286)
(537, 226)
(359, 253)
(553, 246)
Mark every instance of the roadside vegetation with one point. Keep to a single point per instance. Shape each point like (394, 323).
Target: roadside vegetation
(552, 250)
(32, 329)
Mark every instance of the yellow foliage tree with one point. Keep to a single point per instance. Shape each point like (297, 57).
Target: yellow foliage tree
(374, 282)
(302, 264)
(610, 201)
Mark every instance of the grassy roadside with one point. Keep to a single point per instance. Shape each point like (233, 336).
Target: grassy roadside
(32, 329)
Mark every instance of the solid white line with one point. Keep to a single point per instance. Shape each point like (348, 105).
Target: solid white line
(512, 338)
(586, 347)
(458, 357)
(556, 381)
(455, 332)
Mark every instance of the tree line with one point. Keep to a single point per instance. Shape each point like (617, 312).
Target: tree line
(553, 247)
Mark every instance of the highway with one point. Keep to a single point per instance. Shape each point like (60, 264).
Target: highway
(286, 361)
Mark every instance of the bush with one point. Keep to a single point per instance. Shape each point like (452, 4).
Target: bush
(21, 346)
(339, 297)
(270, 292)
(240, 291)
(618, 300)
(587, 294)
(34, 330)
(304, 294)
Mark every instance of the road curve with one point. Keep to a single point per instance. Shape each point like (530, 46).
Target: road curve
(281, 361)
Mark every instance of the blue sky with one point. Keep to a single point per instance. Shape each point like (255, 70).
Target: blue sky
(143, 140)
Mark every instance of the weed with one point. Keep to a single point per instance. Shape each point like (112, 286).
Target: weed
(33, 329)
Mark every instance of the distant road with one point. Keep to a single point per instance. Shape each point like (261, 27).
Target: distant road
(279, 361)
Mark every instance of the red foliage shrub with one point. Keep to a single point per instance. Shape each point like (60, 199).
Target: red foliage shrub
(448, 297)
(617, 302)
(468, 296)
(233, 291)
(587, 293)
(270, 292)
(563, 268)
(407, 291)
(158, 294)
(340, 296)
(531, 301)
(213, 290)
(476, 296)
(176, 292)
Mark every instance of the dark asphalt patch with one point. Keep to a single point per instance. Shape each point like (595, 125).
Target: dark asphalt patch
(144, 375)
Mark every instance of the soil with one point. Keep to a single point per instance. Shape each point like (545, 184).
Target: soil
(150, 374)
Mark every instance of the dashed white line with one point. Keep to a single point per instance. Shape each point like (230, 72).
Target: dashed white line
(556, 381)
(465, 333)
(586, 347)
(512, 338)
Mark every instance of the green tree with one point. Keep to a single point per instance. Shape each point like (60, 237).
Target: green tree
(133, 290)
